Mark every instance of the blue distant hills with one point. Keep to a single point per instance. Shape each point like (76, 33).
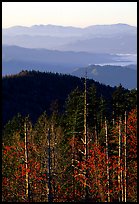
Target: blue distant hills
(70, 50)
(115, 38)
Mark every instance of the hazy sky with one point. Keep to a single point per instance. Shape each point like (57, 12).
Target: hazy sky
(79, 14)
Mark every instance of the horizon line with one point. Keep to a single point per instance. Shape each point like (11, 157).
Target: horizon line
(60, 25)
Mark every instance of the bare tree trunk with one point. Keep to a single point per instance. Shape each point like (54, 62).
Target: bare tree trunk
(119, 165)
(53, 162)
(107, 158)
(125, 157)
(122, 193)
(96, 138)
(122, 190)
(26, 161)
(85, 136)
(49, 169)
(113, 122)
(119, 158)
(73, 158)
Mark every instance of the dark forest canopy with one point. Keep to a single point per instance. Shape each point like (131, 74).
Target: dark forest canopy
(32, 92)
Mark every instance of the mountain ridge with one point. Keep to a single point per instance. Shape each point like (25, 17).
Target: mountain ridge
(122, 37)
(110, 75)
(16, 59)
(50, 58)
(51, 25)
(32, 92)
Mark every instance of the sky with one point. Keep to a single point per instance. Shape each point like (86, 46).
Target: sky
(77, 14)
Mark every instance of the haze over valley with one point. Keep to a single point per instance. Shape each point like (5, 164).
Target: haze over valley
(64, 49)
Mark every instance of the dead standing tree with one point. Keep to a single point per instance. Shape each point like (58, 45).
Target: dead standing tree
(49, 169)
(26, 161)
(107, 161)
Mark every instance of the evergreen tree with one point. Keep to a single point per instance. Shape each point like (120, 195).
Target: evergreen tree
(14, 130)
(119, 101)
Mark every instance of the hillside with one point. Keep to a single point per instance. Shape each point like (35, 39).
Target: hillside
(110, 75)
(15, 59)
(60, 141)
(31, 92)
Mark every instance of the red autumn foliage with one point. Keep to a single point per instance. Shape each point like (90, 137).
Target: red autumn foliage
(90, 174)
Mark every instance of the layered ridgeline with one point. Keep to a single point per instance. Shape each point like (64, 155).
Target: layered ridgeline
(63, 49)
(31, 92)
(15, 59)
(115, 38)
(110, 74)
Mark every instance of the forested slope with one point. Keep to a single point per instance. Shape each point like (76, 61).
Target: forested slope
(31, 92)
(79, 142)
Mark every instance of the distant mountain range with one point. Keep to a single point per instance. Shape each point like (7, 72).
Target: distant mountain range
(66, 49)
(15, 59)
(115, 38)
(110, 75)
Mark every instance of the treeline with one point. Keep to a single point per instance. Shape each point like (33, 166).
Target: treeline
(31, 92)
(87, 152)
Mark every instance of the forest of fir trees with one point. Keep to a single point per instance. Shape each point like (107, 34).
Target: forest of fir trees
(86, 153)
